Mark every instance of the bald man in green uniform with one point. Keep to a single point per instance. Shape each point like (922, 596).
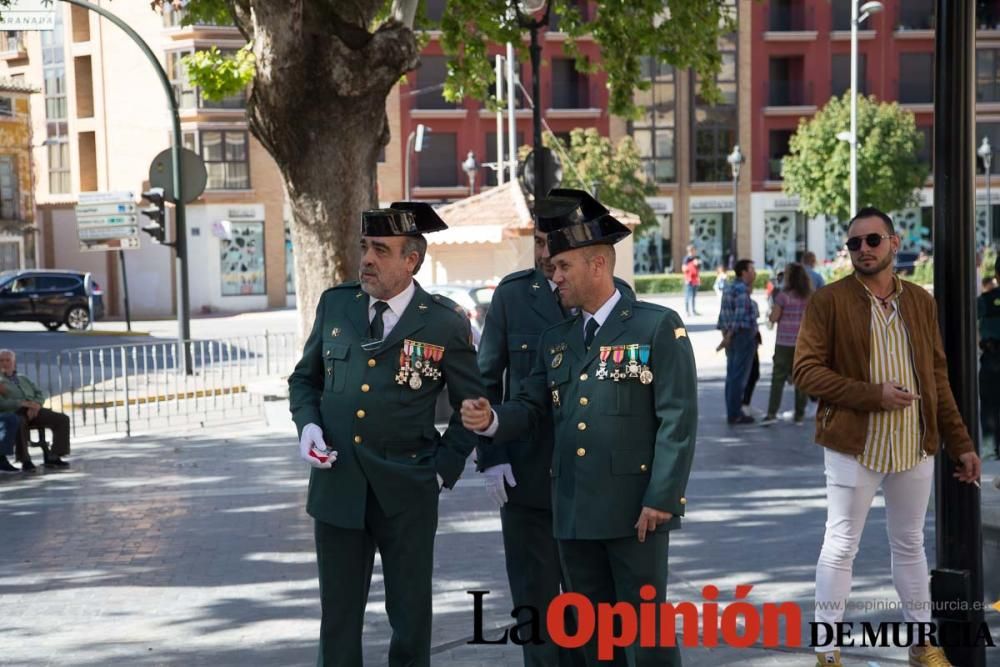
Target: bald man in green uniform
(524, 304)
(363, 398)
(988, 313)
(619, 382)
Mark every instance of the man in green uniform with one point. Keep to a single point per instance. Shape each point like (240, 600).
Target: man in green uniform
(988, 312)
(517, 473)
(619, 382)
(362, 398)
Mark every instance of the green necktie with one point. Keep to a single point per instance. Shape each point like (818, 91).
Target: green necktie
(590, 331)
(376, 330)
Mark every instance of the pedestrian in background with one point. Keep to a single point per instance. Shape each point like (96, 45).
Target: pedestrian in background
(809, 262)
(988, 313)
(721, 280)
(692, 280)
(789, 305)
(869, 347)
(738, 324)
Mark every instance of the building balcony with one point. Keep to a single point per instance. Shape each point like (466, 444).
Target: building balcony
(789, 93)
(12, 46)
(790, 16)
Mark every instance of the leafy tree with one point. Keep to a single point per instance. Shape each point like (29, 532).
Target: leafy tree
(320, 73)
(592, 162)
(817, 168)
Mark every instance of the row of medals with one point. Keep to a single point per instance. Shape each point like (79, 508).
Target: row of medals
(417, 361)
(636, 366)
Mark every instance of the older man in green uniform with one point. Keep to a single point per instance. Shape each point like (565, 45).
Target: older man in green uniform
(988, 312)
(363, 398)
(517, 473)
(619, 382)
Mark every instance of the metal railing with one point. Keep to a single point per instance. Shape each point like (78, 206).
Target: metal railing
(125, 389)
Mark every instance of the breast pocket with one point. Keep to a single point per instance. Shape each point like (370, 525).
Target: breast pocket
(335, 357)
(521, 349)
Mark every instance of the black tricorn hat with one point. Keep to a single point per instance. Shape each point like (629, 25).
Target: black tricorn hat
(402, 219)
(574, 219)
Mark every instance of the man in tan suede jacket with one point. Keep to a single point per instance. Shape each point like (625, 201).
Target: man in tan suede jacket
(870, 349)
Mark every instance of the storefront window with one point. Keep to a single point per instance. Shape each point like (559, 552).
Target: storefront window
(242, 260)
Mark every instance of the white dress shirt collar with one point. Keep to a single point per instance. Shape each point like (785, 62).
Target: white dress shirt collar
(397, 304)
(602, 313)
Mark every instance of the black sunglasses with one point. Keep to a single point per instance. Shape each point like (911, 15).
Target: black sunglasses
(873, 240)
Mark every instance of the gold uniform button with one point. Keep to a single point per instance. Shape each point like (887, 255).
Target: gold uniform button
(581, 452)
(684, 501)
(357, 440)
(583, 377)
(582, 426)
(584, 400)
(371, 363)
(360, 414)
(365, 388)
(643, 467)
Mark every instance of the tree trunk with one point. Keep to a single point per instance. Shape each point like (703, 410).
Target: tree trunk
(318, 107)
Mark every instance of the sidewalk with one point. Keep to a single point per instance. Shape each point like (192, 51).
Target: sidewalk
(196, 550)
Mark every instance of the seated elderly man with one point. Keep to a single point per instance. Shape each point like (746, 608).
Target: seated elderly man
(23, 397)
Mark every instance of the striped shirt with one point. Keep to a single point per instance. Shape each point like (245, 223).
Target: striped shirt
(893, 440)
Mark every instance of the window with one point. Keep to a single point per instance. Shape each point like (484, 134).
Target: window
(840, 80)
(840, 14)
(988, 75)
(581, 6)
(437, 163)
(916, 78)
(715, 127)
(786, 86)
(654, 130)
(787, 15)
(56, 283)
(8, 188)
(11, 42)
(226, 159)
(189, 96)
(490, 175)
(777, 149)
(988, 14)
(242, 260)
(56, 126)
(434, 10)
(10, 255)
(429, 93)
(916, 15)
(172, 17)
(569, 87)
(6, 107)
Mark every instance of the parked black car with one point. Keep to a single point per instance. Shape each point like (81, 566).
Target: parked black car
(51, 297)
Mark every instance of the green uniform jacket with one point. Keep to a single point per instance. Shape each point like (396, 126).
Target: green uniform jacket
(523, 306)
(383, 432)
(988, 314)
(13, 393)
(619, 446)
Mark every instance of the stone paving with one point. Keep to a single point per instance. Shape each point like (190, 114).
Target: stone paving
(194, 549)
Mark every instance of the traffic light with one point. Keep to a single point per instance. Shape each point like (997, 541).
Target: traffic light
(157, 214)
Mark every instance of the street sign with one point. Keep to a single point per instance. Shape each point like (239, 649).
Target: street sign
(29, 15)
(107, 221)
(194, 176)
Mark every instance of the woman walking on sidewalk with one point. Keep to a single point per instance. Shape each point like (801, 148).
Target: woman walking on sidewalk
(789, 304)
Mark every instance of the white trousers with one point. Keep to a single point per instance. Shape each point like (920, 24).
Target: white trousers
(850, 488)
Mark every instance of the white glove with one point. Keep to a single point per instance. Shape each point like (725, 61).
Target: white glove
(440, 481)
(495, 478)
(313, 449)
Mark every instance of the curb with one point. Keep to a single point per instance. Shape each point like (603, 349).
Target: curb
(158, 398)
(105, 332)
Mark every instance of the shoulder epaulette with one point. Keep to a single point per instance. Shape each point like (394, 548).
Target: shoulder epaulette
(517, 275)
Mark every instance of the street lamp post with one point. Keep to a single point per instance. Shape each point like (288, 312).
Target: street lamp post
(985, 153)
(865, 11)
(469, 166)
(735, 160)
(415, 142)
(525, 11)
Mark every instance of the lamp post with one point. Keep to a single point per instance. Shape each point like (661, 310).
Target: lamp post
(858, 17)
(416, 136)
(469, 167)
(735, 160)
(985, 152)
(525, 10)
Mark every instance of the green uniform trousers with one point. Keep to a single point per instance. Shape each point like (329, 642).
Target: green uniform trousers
(614, 571)
(784, 356)
(535, 576)
(345, 558)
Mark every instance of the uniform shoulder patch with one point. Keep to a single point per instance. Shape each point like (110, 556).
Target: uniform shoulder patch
(517, 275)
(447, 303)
